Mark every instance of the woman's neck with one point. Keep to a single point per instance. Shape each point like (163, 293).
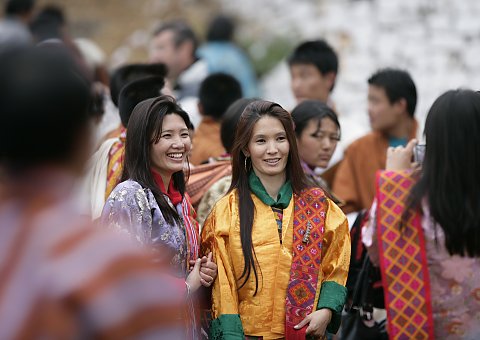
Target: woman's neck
(166, 178)
(272, 184)
(166, 181)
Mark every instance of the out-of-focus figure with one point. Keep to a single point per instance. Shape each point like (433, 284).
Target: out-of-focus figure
(174, 44)
(59, 276)
(223, 55)
(14, 30)
(216, 94)
(392, 98)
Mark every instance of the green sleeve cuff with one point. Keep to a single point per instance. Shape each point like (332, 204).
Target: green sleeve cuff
(227, 327)
(332, 296)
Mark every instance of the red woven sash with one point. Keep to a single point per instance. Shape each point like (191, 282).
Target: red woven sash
(308, 229)
(403, 260)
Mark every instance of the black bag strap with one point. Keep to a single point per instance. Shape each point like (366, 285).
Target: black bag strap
(362, 286)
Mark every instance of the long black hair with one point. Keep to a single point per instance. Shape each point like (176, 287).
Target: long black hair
(449, 178)
(144, 130)
(250, 116)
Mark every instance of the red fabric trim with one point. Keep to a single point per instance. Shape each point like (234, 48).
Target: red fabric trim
(381, 255)
(306, 261)
(416, 223)
(426, 275)
(172, 192)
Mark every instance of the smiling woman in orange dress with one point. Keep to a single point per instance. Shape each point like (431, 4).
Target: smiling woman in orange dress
(282, 247)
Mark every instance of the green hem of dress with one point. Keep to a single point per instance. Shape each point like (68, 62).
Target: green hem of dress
(227, 327)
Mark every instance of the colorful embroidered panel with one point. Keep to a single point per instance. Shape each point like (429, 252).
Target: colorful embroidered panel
(308, 229)
(403, 260)
(278, 213)
(115, 163)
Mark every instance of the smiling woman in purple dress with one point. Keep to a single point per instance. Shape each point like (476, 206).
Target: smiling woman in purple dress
(150, 203)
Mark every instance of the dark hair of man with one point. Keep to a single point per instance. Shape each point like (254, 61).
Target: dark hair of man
(128, 73)
(43, 108)
(318, 53)
(397, 84)
(136, 92)
(309, 110)
(18, 7)
(230, 121)
(250, 116)
(181, 31)
(221, 28)
(48, 24)
(144, 130)
(217, 92)
(449, 176)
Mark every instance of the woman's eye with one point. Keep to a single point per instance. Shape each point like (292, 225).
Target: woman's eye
(260, 141)
(167, 135)
(185, 135)
(281, 138)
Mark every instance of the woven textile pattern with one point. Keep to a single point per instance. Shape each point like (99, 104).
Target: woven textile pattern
(403, 260)
(115, 167)
(308, 229)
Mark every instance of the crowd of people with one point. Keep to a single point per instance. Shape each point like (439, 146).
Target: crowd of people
(169, 200)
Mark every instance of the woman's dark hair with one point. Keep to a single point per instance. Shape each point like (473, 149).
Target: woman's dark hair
(230, 121)
(250, 116)
(312, 110)
(144, 129)
(449, 177)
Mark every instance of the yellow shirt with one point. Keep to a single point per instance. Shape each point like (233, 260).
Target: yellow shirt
(264, 314)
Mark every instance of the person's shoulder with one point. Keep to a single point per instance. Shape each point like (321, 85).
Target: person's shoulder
(227, 201)
(365, 142)
(128, 187)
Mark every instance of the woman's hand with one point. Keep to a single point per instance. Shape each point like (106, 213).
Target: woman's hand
(194, 279)
(317, 322)
(208, 270)
(400, 158)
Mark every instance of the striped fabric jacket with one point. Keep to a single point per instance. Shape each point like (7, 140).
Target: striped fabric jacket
(61, 278)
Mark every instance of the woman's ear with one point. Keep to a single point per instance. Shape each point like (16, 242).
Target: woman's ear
(246, 153)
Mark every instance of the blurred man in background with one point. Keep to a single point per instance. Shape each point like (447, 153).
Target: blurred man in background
(392, 98)
(313, 69)
(14, 26)
(175, 44)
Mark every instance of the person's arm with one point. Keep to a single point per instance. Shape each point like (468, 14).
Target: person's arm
(226, 322)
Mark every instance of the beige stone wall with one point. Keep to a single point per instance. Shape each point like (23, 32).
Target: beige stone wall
(122, 27)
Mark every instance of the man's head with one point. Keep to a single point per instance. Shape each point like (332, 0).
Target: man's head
(131, 72)
(313, 68)
(174, 44)
(20, 8)
(136, 92)
(392, 97)
(216, 93)
(44, 111)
